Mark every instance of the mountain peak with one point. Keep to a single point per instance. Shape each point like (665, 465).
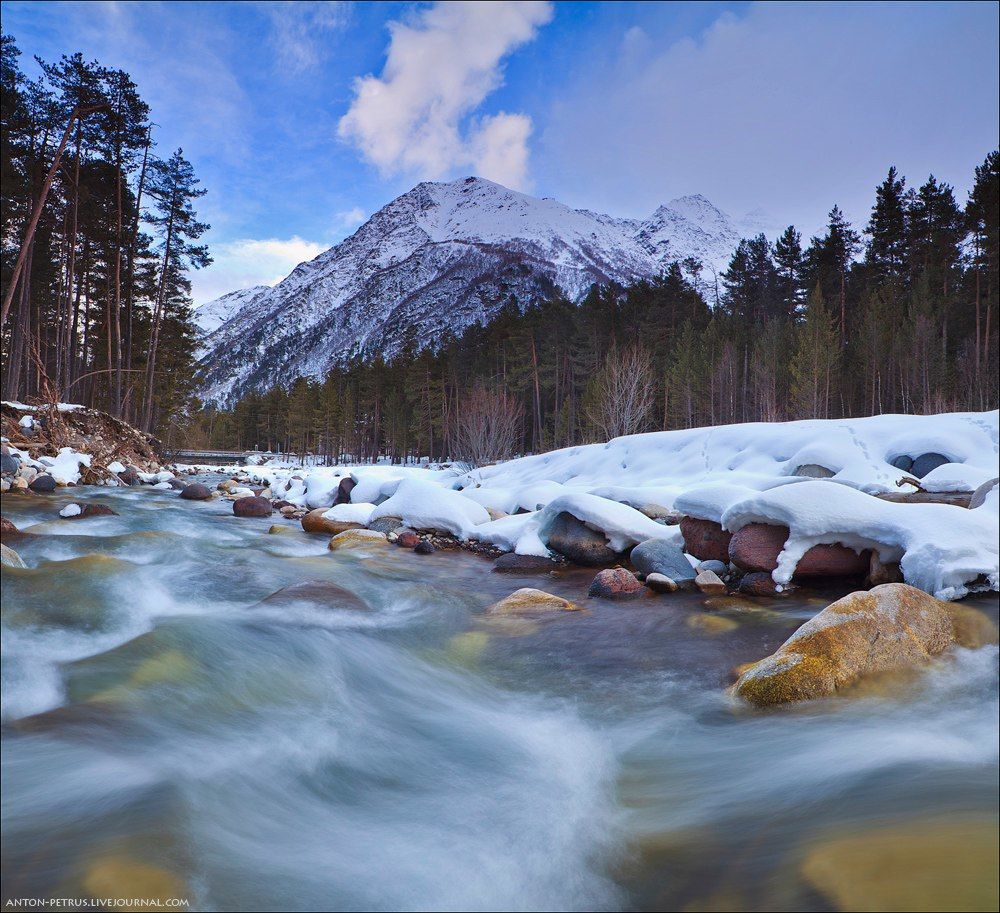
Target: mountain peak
(440, 257)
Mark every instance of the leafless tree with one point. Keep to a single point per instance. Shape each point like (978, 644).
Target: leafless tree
(622, 393)
(487, 426)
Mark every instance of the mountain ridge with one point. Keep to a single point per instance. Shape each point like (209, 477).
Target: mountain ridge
(436, 259)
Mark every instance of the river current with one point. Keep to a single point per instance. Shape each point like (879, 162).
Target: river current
(168, 733)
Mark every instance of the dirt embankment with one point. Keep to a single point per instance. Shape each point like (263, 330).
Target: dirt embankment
(105, 438)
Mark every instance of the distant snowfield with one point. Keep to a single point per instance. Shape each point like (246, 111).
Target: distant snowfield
(436, 260)
(733, 474)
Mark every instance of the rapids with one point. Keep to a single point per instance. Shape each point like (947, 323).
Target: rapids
(165, 733)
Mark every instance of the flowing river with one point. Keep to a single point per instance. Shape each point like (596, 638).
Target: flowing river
(166, 733)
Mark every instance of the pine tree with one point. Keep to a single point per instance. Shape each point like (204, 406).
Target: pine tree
(814, 364)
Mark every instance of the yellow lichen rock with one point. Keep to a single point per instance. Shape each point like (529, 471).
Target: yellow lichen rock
(530, 601)
(882, 630)
(707, 623)
(918, 865)
(351, 537)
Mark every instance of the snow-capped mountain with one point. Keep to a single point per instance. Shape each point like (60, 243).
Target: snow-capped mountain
(209, 317)
(437, 259)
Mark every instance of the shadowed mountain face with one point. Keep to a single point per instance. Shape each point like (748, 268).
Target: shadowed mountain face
(436, 260)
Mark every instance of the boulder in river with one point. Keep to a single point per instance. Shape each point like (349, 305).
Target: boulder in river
(43, 483)
(10, 558)
(615, 583)
(351, 537)
(657, 556)
(322, 592)
(756, 547)
(529, 601)
(8, 530)
(705, 539)
(576, 541)
(710, 583)
(83, 511)
(196, 492)
(758, 583)
(254, 506)
(315, 522)
(886, 629)
(424, 547)
(661, 583)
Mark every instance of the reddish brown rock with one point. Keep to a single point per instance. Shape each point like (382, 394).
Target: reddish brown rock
(879, 573)
(344, 490)
(8, 530)
(92, 510)
(196, 492)
(615, 583)
(757, 545)
(758, 583)
(252, 507)
(408, 539)
(705, 539)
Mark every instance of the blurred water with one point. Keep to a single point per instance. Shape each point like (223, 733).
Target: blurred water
(164, 726)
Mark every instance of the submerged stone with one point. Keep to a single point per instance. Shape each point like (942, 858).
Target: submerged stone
(528, 600)
(615, 583)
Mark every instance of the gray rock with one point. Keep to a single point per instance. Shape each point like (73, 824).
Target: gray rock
(423, 547)
(710, 583)
(927, 462)
(813, 471)
(522, 563)
(716, 567)
(661, 583)
(656, 556)
(902, 462)
(574, 540)
(42, 483)
(979, 495)
(9, 464)
(386, 524)
(10, 558)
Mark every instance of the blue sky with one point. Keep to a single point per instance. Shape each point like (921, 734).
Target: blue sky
(304, 118)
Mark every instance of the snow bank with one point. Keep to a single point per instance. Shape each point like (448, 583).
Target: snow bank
(941, 548)
(732, 474)
(425, 505)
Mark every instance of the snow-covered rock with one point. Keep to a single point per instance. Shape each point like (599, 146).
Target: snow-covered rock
(435, 260)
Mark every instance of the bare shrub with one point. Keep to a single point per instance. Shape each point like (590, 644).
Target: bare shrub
(621, 399)
(487, 426)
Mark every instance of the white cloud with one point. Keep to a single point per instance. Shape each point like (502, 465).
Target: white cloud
(299, 31)
(250, 261)
(439, 68)
(350, 218)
